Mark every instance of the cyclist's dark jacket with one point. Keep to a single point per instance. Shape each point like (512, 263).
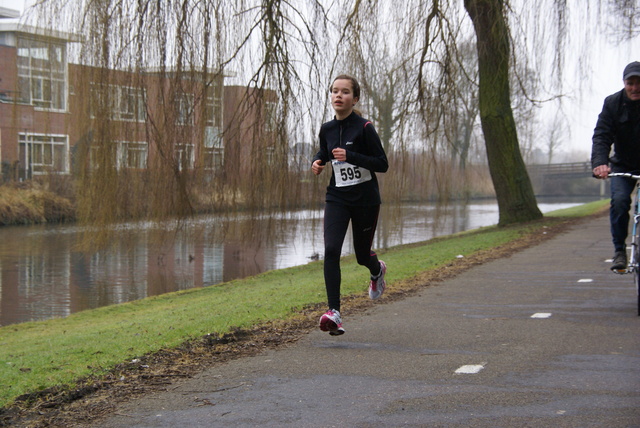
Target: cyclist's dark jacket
(361, 141)
(618, 125)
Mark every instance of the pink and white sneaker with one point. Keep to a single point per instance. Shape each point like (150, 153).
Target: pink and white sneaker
(378, 284)
(330, 321)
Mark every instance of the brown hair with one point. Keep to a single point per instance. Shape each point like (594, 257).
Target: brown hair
(354, 84)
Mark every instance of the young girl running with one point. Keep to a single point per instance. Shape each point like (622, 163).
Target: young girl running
(352, 147)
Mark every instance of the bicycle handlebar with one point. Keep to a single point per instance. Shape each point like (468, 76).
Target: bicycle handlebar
(624, 174)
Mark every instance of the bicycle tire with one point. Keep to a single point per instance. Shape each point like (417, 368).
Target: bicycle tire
(636, 271)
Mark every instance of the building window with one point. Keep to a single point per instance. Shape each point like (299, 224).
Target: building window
(270, 155)
(213, 148)
(184, 109)
(270, 116)
(213, 108)
(212, 137)
(184, 156)
(121, 154)
(132, 155)
(130, 104)
(42, 73)
(44, 154)
(213, 159)
(123, 103)
(213, 145)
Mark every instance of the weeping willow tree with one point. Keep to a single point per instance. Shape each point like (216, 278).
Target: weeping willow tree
(157, 130)
(150, 113)
(514, 191)
(193, 105)
(512, 60)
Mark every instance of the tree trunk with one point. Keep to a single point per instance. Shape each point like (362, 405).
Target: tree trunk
(516, 201)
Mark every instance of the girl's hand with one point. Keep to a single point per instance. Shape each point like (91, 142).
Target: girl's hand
(317, 167)
(339, 154)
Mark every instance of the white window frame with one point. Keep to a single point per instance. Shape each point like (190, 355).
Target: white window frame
(185, 154)
(126, 152)
(185, 109)
(123, 155)
(126, 103)
(131, 104)
(42, 149)
(42, 74)
(213, 108)
(213, 158)
(270, 154)
(270, 116)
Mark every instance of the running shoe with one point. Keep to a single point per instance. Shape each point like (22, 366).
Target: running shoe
(330, 321)
(378, 284)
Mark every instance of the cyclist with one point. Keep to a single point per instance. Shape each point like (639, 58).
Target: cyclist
(618, 125)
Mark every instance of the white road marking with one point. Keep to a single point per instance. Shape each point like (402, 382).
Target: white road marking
(541, 315)
(470, 369)
(585, 280)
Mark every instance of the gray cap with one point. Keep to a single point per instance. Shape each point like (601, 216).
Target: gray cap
(631, 70)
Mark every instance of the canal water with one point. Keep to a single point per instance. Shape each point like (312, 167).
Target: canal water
(44, 274)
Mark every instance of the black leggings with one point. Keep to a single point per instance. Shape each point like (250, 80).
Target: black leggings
(336, 222)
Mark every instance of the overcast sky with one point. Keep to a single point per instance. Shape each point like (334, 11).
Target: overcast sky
(587, 93)
(14, 4)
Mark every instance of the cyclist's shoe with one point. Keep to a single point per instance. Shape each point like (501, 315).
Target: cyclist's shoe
(378, 284)
(619, 261)
(330, 321)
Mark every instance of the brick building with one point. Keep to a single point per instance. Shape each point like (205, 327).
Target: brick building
(51, 110)
(33, 101)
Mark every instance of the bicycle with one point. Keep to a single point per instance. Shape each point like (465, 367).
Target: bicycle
(633, 265)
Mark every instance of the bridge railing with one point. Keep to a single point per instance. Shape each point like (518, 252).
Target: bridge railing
(573, 168)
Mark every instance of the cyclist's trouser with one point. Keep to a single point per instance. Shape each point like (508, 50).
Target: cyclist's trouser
(621, 189)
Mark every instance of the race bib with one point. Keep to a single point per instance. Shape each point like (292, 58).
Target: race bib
(349, 175)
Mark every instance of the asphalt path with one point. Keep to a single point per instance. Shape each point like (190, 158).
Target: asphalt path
(547, 337)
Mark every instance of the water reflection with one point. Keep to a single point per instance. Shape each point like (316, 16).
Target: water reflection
(43, 275)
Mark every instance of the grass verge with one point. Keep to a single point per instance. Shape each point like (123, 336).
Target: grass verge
(38, 356)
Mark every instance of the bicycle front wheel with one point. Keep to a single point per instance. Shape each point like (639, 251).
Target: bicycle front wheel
(636, 273)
